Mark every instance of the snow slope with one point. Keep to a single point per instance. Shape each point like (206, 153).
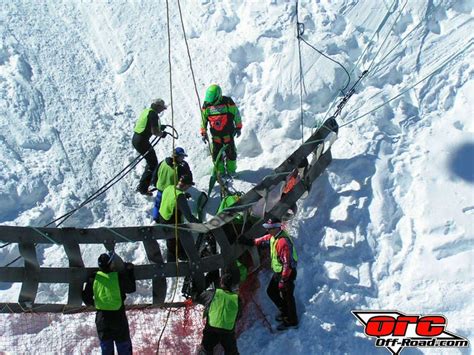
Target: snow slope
(388, 226)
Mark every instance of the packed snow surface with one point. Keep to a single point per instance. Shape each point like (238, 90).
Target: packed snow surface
(389, 225)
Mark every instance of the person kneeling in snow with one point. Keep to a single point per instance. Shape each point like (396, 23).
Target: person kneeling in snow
(283, 262)
(173, 209)
(165, 176)
(105, 290)
(222, 310)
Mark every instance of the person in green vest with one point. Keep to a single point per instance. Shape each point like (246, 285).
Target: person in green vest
(165, 176)
(225, 123)
(283, 262)
(222, 309)
(105, 290)
(148, 125)
(173, 209)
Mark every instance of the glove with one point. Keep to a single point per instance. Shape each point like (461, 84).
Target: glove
(163, 134)
(237, 133)
(246, 241)
(205, 138)
(282, 285)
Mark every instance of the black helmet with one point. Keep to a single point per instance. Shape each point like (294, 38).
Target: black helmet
(105, 260)
(272, 223)
(158, 104)
(226, 281)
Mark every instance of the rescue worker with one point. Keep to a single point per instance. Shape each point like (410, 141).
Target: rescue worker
(222, 309)
(165, 176)
(105, 290)
(283, 262)
(225, 123)
(147, 125)
(174, 197)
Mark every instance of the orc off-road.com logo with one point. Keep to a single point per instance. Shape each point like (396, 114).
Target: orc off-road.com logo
(395, 330)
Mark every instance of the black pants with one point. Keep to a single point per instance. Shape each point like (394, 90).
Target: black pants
(112, 325)
(230, 151)
(210, 338)
(171, 243)
(284, 299)
(142, 146)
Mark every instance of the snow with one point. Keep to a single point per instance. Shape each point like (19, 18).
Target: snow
(388, 226)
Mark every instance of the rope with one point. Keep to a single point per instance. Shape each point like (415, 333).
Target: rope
(174, 175)
(404, 91)
(189, 55)
(388, 34)
(332, 60)
(299, 33)
(360, 57)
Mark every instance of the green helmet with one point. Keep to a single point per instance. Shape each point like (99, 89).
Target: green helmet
(213, 94)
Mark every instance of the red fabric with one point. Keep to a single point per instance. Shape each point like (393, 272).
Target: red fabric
(218, 122)
(261, 240)
(283, 251)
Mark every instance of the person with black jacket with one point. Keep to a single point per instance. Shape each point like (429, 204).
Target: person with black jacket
(222, 309)
(105, 290)
(147, 125)
(173, 209)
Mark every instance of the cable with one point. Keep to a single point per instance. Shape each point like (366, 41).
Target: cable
(360, 57)
(404, 91)
(335, 61)
(299, 33)
(175, 173)
(189, 55)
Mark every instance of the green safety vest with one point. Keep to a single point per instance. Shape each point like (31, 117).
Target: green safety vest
(142, 121)
(106, 289)
(229, 201)
(166, 176)
(168, 202)
(277, 266)
(243, 272)
(223, 310)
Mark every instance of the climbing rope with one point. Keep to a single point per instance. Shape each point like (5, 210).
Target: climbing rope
(189, 55)
(174, 175)
(299, 33)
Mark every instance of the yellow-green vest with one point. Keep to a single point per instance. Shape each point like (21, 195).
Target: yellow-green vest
(106, 289)
(142, 121)
(277, 266)
(168, 202)
(223, 310)
(166, 176)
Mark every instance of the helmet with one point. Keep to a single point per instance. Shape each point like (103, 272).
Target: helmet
(272, 223)
(105, 260)
(187, 180)
(213, 94)
(179, 152)
(158, 104)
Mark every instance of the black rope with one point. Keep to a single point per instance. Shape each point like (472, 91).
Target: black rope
(333, 60)
(119, 176)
